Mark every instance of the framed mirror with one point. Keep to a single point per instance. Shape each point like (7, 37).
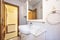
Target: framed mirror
(35, 12)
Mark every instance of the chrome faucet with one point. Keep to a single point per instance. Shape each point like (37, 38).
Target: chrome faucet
(30, 23)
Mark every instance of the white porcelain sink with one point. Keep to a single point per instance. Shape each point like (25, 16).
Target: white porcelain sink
(35, 29)
(24, 29)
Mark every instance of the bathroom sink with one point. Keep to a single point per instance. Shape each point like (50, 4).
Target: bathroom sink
(24, 29)
(35, 29)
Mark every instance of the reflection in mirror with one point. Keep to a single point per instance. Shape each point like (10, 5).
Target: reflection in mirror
(35, 10)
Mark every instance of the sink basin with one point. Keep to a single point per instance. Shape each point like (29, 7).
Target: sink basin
(24, 29)
(34, 29)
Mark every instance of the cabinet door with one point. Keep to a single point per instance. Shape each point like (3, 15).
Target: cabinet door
(2, 20)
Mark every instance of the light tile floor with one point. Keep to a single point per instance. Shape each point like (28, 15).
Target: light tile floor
(16, 38)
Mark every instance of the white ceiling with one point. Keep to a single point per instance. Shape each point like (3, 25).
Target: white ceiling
(33, 2)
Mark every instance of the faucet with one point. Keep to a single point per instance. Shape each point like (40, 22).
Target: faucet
(30, 23)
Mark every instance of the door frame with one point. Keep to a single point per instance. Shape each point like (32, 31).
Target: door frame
(17, 15)
(2, 22)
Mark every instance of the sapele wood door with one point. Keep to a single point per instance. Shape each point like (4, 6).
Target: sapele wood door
(32, 14)
(11, 20)
(2, 20)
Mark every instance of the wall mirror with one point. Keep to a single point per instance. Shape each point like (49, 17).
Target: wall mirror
(35, 10)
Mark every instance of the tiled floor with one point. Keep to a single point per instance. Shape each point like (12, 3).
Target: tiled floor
(15, 38)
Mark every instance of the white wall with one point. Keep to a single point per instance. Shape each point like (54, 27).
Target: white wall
(29, 7)
(22, 10)
(53, 31)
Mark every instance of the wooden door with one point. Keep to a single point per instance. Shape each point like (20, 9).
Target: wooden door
(11, 20)
(2, 20)
(32, 14)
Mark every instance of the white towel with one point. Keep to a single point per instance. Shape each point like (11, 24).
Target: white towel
(37, 30)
